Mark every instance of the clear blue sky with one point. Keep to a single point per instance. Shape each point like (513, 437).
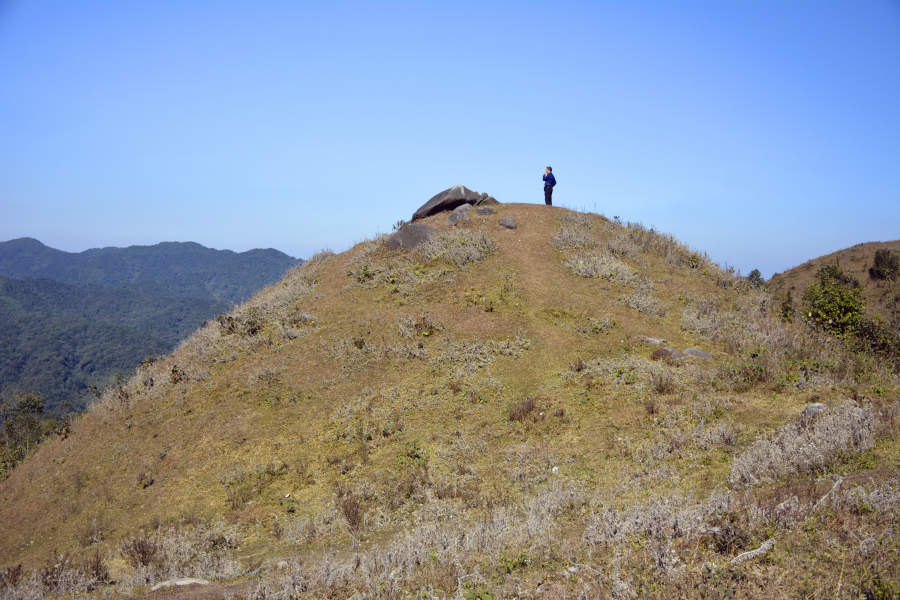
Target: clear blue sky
(764, 133)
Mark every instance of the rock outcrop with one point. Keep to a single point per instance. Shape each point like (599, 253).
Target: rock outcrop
(450, 199)
(411, 235)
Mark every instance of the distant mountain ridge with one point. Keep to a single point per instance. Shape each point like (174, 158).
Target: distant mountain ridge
(176, 269)
(70, 320)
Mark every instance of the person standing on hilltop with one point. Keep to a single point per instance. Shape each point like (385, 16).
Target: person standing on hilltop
(549, 182)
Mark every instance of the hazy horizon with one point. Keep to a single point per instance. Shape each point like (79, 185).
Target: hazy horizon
(762, 133)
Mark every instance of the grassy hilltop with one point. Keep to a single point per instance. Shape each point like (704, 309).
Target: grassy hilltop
(482, 417)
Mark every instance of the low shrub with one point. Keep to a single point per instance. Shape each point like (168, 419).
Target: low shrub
(349, 503)
(874, 337)
(834, 301)
(321, 256)
(141, 552)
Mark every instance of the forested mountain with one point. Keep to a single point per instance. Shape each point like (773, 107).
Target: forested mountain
(59, 338)
(68, 320)
(177, 269)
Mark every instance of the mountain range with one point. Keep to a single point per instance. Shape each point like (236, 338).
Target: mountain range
(73, 320)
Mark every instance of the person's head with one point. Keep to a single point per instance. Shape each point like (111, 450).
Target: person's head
(549, 169)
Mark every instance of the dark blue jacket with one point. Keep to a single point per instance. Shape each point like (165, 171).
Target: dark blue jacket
(549, 179)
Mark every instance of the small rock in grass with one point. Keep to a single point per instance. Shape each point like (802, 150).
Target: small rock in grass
(655, 341)
(698, 353)
(486, 210)
(667, 352)
(814, 409)
(460, 213)
(508, 222)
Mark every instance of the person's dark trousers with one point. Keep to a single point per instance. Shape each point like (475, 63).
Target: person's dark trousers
(548, 195)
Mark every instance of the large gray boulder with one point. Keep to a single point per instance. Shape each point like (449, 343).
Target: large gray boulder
(411, 235)
(450, 199)
(698, 353)
(486, 200)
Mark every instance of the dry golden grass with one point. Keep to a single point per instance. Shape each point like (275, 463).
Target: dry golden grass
(372, 393)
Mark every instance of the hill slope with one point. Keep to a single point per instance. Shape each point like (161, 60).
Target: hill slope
(882, 297)
(483, 414)
(176, 269)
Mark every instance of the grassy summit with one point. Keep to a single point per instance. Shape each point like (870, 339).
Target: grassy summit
(482, 416)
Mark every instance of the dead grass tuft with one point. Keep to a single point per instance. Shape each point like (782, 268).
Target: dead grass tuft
(575, 230)
(522, 409)
(202, 551)
(423, 326)
(663, 383)
(805, 445)
(599, 265)
(458, 247)
(321, 256)
(645, 303)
